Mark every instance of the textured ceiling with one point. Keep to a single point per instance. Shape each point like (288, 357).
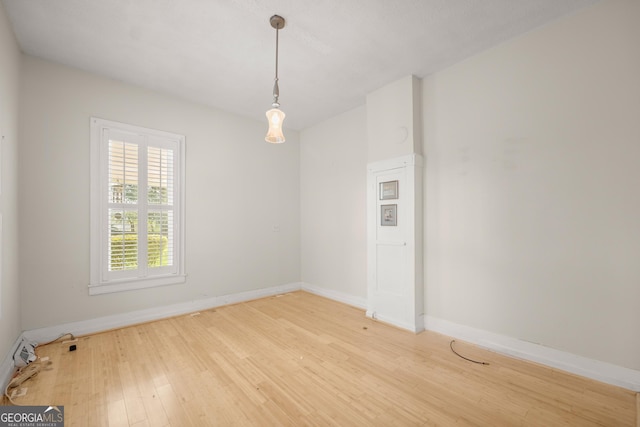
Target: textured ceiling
(222, 53)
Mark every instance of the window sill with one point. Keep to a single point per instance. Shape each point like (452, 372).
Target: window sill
(130, 285)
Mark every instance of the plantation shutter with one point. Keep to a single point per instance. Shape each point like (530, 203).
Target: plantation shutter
(122, 227)
(139, 208)
(161, 232)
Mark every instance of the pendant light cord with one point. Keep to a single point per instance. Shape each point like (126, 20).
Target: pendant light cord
(277, 31)
(276, 88)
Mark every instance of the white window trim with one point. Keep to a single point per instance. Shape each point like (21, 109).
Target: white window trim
(98, 201)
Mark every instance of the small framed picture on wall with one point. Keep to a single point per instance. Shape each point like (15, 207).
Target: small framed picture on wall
(388, 215)
(388, 190)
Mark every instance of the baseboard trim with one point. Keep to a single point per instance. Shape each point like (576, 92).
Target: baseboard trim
(593, 369)
(7, 367)
(351, 300)
(361, 303)
(417, 328)
(115, 321)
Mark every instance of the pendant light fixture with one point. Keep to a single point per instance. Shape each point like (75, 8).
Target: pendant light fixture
(275, 116)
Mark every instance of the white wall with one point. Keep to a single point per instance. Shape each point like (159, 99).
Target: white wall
(238, 188)
(9, 98)
(394, 120)
(333, 176)
(532, 200)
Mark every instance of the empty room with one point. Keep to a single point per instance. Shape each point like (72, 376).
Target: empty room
(320, 213)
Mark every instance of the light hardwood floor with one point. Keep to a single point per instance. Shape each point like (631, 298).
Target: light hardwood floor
(300, 359)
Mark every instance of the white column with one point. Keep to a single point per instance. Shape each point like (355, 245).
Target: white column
(395, 285)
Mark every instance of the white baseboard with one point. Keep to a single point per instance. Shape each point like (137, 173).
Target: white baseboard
(354, 301)
(361, 303)
(99, 324)
(418, 327)
(594, 369)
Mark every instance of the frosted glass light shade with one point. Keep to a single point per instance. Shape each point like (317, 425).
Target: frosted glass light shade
(275, 117)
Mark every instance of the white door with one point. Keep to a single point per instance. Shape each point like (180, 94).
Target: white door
(389, 288)
(394, 242)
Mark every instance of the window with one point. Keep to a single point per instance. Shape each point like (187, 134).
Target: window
(137, 207)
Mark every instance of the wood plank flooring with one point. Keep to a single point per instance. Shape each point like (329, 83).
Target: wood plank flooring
(300, 359)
